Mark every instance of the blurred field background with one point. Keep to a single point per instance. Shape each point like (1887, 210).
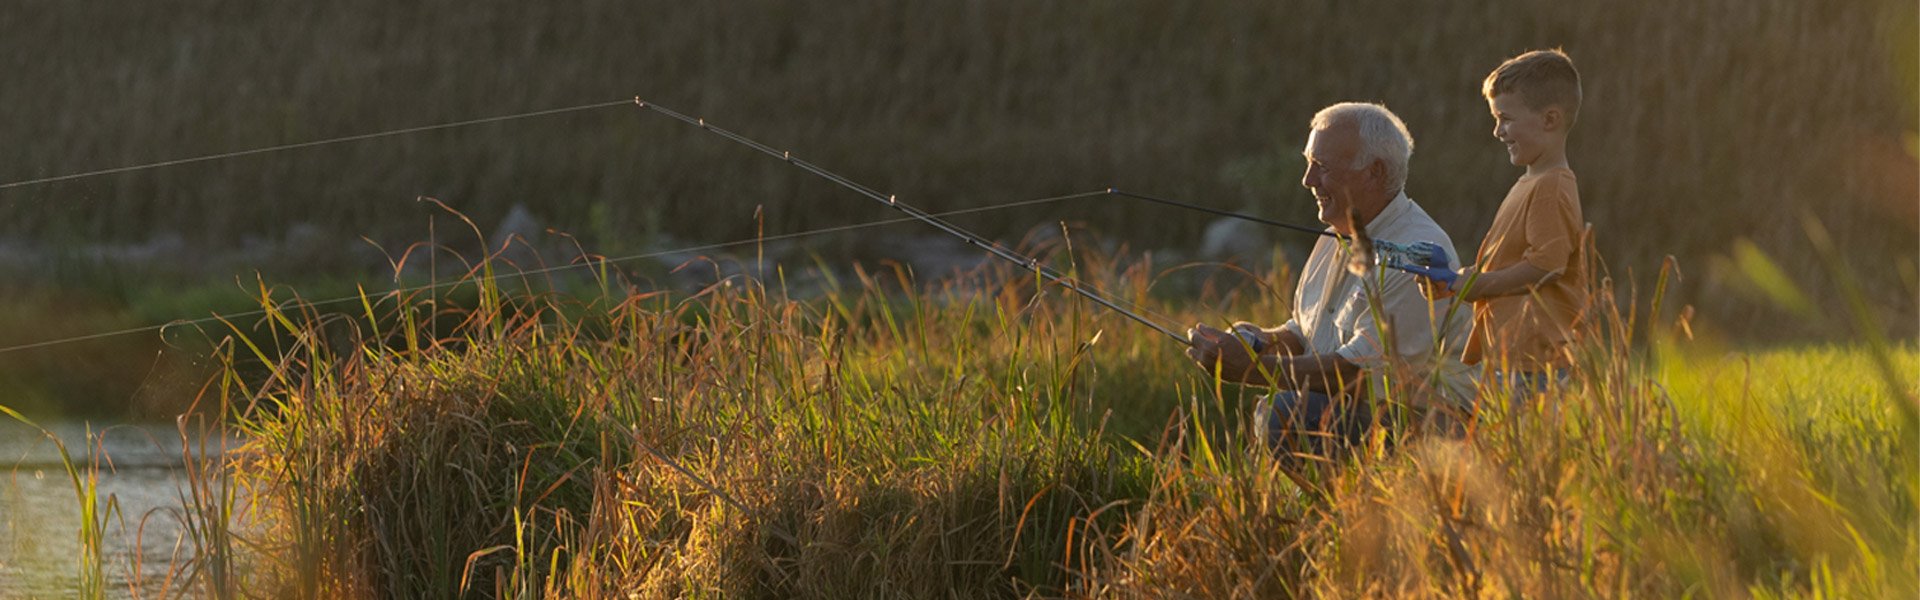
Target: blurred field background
(1705, 122)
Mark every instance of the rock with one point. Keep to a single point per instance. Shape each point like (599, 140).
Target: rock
(521, 242)
(1239, 240)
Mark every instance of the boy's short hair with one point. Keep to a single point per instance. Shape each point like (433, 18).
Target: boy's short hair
(1542, 78)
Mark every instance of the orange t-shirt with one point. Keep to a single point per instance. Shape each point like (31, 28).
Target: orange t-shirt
(1539, 223)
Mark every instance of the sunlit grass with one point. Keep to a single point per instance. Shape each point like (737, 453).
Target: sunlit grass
(893, 438)
(986, 435)
(95, 512)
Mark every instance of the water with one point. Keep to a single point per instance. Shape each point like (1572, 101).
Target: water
(40, 522)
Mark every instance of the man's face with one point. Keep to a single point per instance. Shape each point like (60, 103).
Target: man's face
(1331, 174)
(1522, 129)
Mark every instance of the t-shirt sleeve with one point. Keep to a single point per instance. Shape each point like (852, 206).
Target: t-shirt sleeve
(1552, 225)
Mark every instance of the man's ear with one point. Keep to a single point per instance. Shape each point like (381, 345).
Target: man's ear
(1378, 169)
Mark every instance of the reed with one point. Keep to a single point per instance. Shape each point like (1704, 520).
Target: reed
(96, 513)
(983, 436)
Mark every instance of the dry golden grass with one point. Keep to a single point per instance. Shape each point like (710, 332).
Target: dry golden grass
(890, 441)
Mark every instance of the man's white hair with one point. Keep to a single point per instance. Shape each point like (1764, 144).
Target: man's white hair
(1383, 137)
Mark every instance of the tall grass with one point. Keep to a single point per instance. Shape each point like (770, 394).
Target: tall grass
(900, 438)
(95, 512)
(724, 444)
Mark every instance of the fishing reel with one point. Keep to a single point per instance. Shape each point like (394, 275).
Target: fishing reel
(1396, 255)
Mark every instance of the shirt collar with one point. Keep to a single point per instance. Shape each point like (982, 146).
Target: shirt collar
(1396, 210)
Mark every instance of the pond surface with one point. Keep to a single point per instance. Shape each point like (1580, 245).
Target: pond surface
(141, 474)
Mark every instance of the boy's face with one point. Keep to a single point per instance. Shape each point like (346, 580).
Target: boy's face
(1522, 129)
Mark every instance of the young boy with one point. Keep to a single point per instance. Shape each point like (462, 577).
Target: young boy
(1531, 290)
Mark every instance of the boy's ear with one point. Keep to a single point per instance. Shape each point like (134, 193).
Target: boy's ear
(1553, 118)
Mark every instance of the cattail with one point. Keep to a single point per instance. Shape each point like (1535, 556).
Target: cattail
(1362, 256)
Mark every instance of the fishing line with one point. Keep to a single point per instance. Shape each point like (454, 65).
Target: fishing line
(351, 138)
(891, 201)
(1367, 250)
(1215, 211)
(914, 214)
(557, 268)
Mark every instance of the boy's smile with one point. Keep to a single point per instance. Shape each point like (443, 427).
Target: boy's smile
(1522, 129)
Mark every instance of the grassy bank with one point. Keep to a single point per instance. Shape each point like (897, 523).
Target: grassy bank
(976, 438)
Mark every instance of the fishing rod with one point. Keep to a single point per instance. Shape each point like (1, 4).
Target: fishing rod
(891, 201)
(1406, 253)
(1227, 213)
(1376, 251)
(593, 263)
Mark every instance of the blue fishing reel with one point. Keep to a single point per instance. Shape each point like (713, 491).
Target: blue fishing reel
(1425, 259)
(1418, 254)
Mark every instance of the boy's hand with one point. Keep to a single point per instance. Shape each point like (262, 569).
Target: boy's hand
(1440, 288)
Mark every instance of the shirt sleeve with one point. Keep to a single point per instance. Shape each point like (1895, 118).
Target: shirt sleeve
(1403, 312)
(1552, 225)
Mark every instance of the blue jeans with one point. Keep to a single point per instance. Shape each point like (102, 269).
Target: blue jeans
(1522, 387)
(1291, 422)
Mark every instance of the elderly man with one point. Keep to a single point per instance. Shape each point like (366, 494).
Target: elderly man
(1347, 327)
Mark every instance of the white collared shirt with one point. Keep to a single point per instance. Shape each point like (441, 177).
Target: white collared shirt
(1333, 308)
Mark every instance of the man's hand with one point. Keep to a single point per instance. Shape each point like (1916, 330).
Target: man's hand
(1255, 336)
(1213, 347)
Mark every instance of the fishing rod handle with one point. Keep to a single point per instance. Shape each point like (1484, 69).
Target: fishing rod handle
(1254, 341)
